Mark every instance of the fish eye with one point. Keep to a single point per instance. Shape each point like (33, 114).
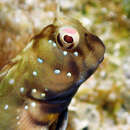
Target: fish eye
(68, 37)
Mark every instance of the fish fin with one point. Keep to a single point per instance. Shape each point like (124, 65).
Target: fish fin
(6, 68)
(62, 121)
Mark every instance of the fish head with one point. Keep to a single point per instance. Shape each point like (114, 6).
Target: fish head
(70, 51)
(76, 51)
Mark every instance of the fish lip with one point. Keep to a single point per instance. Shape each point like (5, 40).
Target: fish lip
(101, 60)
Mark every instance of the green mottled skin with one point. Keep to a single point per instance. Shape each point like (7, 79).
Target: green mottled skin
(19, 74)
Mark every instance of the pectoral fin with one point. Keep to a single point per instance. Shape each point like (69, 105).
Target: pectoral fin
(5, 70)
(62, 121)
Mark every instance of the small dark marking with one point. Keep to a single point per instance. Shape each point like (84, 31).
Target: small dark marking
(85, 128)
(80, 52)
(73, 68)
(86, 34)
(57, 66)
(123, 106)
(70, 47)
(105, 106)
(59, 41)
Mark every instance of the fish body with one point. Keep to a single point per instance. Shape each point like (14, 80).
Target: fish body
(37, 86)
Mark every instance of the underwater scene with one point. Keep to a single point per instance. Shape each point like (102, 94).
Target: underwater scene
(64, 65)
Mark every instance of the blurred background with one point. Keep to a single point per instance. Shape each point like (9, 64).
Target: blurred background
(103, 102)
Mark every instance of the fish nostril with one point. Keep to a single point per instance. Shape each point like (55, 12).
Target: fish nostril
(68, 39)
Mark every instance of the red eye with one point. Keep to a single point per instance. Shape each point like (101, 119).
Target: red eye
(68, 39)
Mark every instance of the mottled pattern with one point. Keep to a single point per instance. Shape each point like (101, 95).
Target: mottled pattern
(38, 85)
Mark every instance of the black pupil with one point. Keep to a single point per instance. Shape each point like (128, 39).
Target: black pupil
(68, 39)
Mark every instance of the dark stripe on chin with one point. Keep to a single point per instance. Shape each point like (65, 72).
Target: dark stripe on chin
(38, 123)
(54, 108)
(56, 102)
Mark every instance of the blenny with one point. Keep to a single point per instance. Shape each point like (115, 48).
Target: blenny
(37, 86)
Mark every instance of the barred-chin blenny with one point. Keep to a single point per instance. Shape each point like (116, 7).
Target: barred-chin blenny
(37, 86)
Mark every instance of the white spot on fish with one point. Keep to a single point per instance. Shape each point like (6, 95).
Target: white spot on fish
(18, 123)
(6, 107)
(68, 74)
(22, 90)
(40, 60)
(50, 41)
(26, 107)
(76, 53)
(65, 53)
(57, 71)
(11, 81)
(33, 104)
(34, 90)
(46, 89)
(34, 73)
(54, 44)
(17, 118)
(43, 94)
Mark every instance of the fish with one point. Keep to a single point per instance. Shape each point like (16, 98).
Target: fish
(37, 86)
